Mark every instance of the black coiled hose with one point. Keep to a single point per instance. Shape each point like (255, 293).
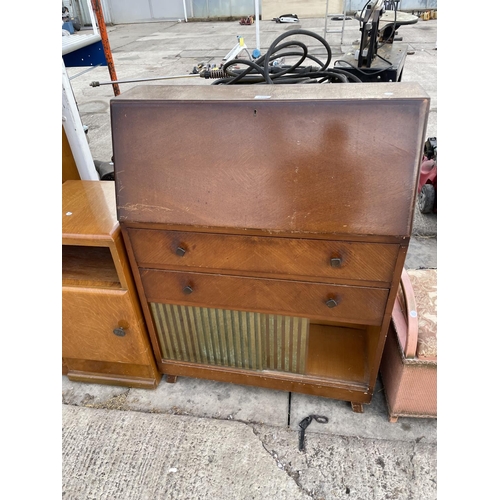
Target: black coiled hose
(261, 71)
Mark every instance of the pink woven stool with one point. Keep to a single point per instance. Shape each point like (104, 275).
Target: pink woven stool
(409, 362)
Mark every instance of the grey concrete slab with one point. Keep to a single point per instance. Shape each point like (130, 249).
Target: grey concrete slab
(208, 399)
(421, 67)
(424, 224)
(422, 31)
(373, 423)
(422, 253)
(355, 468)
(432, 122)
(139, 58)
(188, 396)
(202, 55)
(124, 34)
(205, 398)
(110, 454)
(93, 395)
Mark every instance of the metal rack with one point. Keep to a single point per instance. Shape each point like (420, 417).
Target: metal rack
(90, 51)
(328, 15)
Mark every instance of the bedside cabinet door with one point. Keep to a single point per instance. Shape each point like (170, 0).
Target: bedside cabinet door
(102, 325)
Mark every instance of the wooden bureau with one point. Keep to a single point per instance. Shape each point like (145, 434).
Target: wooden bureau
(104, 337)
(267, 226)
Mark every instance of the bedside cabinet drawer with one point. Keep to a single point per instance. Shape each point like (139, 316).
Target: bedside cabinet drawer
(101, 325)
(261, 254)
(297, 298)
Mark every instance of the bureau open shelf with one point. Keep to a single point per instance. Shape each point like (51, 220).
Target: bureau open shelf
(273, 345)
(337, 353)
(335, 366)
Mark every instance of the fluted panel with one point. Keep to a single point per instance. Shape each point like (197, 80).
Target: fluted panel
(237, 339)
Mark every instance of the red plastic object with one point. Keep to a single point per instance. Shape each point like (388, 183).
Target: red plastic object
(427, 185)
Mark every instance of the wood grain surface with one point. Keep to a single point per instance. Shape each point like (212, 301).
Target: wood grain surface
(270, 255)
(293, 200)
(89, 318)
(354, 304)
(327, 165)
(89, 212)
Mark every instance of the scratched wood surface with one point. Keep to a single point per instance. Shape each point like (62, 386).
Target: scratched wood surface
(344, 165)
(238, 198)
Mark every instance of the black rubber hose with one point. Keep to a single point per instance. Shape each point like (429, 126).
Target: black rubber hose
(251, 65)
(271, 55)
(256, 65)
(350, 76)
(358, 69)
(272, 48)
(260, 71)
(277, 72)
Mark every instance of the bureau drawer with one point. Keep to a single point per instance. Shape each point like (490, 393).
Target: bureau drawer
(319, 301)
(262, 254)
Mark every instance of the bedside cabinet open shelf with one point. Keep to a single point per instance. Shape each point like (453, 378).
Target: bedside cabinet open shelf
(90, 267)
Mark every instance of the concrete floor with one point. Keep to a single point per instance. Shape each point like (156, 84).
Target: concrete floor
(201, 439)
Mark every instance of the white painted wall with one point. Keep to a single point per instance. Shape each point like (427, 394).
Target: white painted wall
(302, 8)
(317, 8)
(141, 11)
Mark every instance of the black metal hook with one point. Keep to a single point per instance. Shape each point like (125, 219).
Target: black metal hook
(304, 423)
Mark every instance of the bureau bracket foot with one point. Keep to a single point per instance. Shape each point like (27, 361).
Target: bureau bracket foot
(357, 407)
(171, 379)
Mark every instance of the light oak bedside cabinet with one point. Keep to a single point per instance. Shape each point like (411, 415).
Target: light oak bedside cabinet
(104, 337)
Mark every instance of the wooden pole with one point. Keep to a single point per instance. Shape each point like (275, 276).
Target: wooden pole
(97, 8)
